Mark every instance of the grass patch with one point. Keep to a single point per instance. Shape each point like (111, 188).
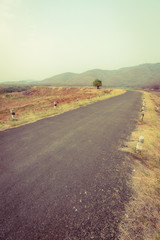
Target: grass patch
(143, 212)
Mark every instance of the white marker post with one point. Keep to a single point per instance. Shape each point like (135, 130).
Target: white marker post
(13, 114)
(140, 144)
(55, 104)
(77, 100)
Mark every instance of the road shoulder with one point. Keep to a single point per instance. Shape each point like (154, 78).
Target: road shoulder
(142, 218)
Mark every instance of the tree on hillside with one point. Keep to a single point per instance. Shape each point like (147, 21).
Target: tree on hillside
(97, 83)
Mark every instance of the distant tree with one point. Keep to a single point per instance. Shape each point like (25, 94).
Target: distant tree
(97, 83)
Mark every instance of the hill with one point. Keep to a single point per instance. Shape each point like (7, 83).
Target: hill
(138, 76)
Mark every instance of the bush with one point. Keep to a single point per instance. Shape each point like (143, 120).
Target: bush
(15, 88)
(155, 86)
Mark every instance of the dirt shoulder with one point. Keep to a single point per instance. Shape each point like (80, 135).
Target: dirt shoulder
(142, 218)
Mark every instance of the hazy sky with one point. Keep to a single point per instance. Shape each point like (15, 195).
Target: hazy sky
(42, 38)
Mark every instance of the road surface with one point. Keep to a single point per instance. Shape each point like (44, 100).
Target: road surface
(63, 178)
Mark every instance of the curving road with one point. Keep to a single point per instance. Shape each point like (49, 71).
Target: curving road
(63, 178)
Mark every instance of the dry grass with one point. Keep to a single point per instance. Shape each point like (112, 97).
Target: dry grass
(142, 218)
(38, 102)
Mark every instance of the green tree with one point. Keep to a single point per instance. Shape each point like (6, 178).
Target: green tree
(97, 83)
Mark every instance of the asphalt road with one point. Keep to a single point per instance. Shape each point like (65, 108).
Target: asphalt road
(64, 178)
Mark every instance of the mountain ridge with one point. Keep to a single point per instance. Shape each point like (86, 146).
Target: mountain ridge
(144, 75)
(134, 76)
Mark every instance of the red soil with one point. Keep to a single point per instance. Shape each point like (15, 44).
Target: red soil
(40, 99)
